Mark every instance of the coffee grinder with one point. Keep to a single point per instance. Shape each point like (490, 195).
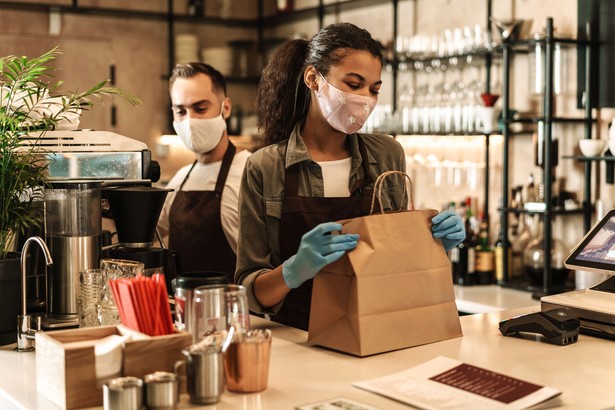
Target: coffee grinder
(135, 211)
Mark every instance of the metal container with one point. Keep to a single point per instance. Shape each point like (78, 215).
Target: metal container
(73, 228)
(161, 391)
(205, 374)
(123, 393)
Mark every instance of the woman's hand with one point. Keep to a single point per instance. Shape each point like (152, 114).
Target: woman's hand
(316, 250)
(448, 227)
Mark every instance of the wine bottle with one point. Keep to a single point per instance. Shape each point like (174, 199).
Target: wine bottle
(530, 195)
(466, 273)
(485, 258)
(502, 257)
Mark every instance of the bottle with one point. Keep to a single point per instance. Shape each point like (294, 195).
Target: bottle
(466, 273)
(453, 254)
(530, 193)
(196, 8)
(501, 258)
(518, 241)
(485, 257)
(516, 203)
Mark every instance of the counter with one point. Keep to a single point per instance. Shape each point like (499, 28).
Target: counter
(301, 373)
(491, 298)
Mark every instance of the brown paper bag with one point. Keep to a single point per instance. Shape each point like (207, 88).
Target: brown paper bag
(393, 291)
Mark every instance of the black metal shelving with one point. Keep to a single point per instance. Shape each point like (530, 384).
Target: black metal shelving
(546, 121)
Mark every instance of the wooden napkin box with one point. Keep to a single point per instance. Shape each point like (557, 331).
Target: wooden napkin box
(66, 374)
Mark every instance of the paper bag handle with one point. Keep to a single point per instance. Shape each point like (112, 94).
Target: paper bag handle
(378, 190)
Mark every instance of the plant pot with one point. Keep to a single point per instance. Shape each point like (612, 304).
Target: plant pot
(10, 291)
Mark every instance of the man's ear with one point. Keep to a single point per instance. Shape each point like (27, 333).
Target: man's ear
(310, 78)
(226, 107)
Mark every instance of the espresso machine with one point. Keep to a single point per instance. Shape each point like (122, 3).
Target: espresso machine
(81, 165)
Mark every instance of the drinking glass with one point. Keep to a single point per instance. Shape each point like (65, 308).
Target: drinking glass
(208, 311)
(90, 293)
(238, 313)
(115, 269)
(216, 307)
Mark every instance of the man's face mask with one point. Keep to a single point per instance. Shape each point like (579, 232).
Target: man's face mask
(346, 112)
(201, 135)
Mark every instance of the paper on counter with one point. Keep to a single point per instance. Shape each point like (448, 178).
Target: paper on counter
(445, 383)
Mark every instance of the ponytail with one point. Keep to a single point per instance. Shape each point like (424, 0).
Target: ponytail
(282, 99)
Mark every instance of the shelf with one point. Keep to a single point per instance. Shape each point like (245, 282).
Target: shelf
(554, 210)
(525, 45)
(125, 13)
(441, 134)
(243, 80)
(218, 21)
(584, 158)
(402, 59)
(311, 12)
(536, 120)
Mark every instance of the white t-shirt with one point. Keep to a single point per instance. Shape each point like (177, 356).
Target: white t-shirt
(203, 178)
(335, 177)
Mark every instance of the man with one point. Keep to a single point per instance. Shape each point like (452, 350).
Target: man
(200, 215)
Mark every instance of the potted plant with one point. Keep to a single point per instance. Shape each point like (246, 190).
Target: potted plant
(30, 105)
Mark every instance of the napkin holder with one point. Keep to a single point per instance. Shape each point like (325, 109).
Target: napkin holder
(66, 375)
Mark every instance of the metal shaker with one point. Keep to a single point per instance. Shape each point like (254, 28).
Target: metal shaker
(161, 391)
(205, 374)
(123, 393)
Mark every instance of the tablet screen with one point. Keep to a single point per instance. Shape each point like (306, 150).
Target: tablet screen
(596, 251)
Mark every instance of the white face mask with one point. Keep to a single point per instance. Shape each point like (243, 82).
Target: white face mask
(201, 135)
(346, 112)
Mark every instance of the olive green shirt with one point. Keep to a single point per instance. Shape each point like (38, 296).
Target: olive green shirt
(262, 194)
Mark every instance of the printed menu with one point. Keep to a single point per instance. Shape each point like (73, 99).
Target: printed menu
(445, 383)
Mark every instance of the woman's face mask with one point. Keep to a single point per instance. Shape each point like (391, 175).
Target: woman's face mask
(201, 135)
(346, 112)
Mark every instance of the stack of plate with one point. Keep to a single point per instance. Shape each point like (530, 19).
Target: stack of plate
(186, 48)
(221, 58)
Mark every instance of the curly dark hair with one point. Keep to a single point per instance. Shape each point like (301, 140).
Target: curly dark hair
(189, 70)
(282, 100)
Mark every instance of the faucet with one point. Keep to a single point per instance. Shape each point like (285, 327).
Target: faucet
(25, 333)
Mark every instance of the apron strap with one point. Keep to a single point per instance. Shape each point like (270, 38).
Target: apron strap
(227, 160)
(186, 177)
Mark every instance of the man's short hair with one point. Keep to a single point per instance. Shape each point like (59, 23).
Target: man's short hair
(189, 70)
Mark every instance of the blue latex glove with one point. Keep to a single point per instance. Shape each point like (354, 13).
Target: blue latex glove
(315, 251)
(448, 226)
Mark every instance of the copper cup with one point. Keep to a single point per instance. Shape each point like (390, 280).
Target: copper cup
(246, 363)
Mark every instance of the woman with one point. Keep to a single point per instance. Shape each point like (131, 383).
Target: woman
(312, 99)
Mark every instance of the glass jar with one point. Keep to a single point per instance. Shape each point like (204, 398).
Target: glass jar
(519, 240)
(533, 259)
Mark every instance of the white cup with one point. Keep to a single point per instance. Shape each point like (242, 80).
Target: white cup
(489, 117)
(592, 147)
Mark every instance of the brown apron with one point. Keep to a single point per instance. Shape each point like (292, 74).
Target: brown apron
(301, 214)
(195, 228)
